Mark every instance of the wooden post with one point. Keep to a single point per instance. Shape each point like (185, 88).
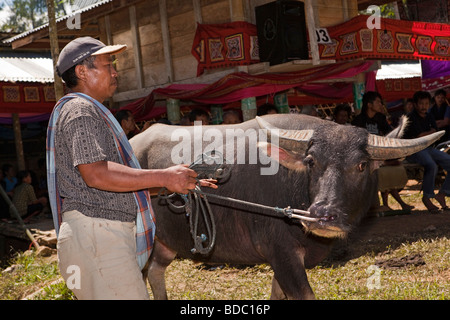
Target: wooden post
(137, 48)
(359, 87)
(18, 142)
(216, 114)
(248, 107)
(54, 48)
(311, 25)
(166, 40)
(173, 110)
(281, 102)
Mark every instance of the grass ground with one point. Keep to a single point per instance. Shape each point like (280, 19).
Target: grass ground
(385, 264)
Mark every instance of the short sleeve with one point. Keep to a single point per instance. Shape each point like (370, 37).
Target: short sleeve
(86, 140)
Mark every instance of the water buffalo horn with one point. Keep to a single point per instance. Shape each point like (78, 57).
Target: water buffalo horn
(294, 140)
(383, 148)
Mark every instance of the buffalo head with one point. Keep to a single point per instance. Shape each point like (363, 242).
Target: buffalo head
(340, 162)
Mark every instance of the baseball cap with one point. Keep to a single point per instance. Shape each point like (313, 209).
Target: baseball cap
(81, 48)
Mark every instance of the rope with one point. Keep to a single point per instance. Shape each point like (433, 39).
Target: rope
(199, 199)
(196, 202)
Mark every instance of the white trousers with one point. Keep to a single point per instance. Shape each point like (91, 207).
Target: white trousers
(97, 258)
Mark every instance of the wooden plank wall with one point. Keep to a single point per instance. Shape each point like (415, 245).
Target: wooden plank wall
(164, 31)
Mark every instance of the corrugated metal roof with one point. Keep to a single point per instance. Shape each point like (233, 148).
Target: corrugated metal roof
(90, 4)
(25, 67)
(399, 70)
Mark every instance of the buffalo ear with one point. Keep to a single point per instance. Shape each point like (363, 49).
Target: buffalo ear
(284, 157)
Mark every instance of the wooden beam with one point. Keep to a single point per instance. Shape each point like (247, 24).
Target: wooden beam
(311, 24)
(197, 11)
(166, 40)
(135, 38)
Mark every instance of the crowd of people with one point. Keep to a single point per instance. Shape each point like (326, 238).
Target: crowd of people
(426, 115)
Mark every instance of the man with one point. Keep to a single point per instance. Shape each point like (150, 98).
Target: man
(342, 113)
(422, 123)
(98, 192)
(126, 120)
(441, 113)
(372, 115)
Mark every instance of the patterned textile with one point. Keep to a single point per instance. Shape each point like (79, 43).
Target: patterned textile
(393, 89)
(145, 221)
(395, 39)
(11, 94)
(225, 45)
(23, 196)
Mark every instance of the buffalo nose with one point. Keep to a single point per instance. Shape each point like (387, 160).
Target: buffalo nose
(320, 210)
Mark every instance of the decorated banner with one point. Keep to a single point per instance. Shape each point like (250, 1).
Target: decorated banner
(394, 89)
(26, 97)
(225, 45)
(394, 39)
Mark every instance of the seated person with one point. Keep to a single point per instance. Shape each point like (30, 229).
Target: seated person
(391, 175)
(231, 117)
(421, 124)
(441, 112)
(342, 113)
(9, 178)
(199, 115)
(266, 108)
(24, 198)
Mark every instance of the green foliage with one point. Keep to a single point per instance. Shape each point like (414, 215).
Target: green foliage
(29, 14)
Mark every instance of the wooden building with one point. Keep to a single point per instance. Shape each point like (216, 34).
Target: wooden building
(160, 33)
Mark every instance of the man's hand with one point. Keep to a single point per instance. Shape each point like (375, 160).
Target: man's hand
(180, 179)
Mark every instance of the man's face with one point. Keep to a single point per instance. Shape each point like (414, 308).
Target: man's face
(101, 81)
(129, 123)
(342, 117)
(440, 99)
(422, 107)
(376, 105)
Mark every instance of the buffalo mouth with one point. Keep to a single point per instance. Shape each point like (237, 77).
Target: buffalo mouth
(326, 230)
(328, 221)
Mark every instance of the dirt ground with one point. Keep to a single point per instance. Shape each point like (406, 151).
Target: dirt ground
(376, 233)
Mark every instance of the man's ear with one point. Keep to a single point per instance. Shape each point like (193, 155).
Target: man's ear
(80, 71)
(284, 157)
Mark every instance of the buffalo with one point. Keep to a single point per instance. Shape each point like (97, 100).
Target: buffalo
(325, 169)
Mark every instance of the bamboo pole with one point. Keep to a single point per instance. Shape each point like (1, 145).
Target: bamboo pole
(16, 214)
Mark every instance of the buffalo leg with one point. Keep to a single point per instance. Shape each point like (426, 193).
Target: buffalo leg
(160, 259)
(290, 276)
(277, 293)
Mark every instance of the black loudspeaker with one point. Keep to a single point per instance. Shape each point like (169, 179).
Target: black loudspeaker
(281, 31)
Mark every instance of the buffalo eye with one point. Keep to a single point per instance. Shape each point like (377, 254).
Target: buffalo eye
(362, 166)
(309, 162)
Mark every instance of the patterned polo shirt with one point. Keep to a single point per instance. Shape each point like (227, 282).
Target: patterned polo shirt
(82, 136)
(23, 196)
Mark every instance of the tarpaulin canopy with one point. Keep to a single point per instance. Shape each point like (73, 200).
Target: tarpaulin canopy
(238, 86)
(391, 39)
(435, 74)
(398, 80)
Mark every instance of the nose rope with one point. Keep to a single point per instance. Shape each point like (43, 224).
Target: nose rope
(199, 199)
